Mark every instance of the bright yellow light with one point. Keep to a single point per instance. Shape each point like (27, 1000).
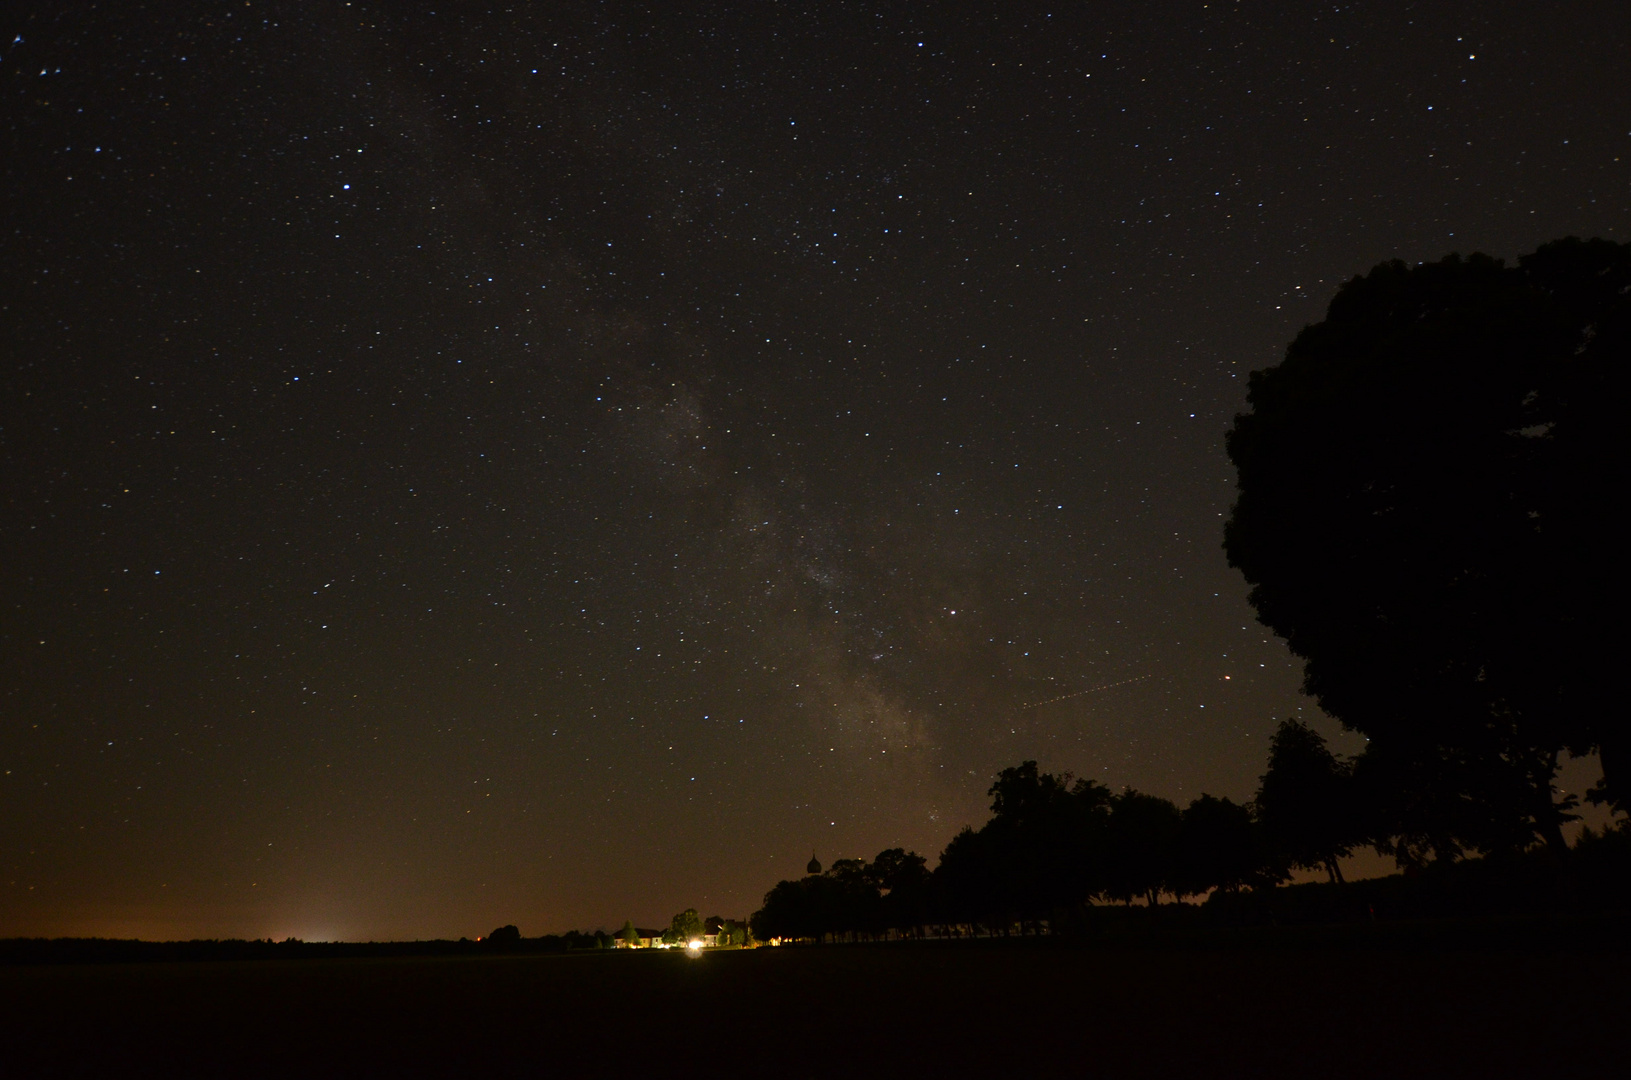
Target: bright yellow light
(694, 947)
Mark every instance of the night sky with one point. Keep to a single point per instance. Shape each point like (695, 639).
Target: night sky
(561, 463)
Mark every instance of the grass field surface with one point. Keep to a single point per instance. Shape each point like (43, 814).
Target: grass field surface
(973, 1009)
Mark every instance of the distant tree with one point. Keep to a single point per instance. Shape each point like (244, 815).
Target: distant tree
(504, 939)
(1306, 801)
(850, 870)
(903, 878)
(1141, 846)
(787, 912)
(1023, 795)
(1040, 852)
(965, 882)
(684, 927)
(1220, 847)
(1088, 840)
(629, 935)
(849, 898)
(895, 869)
(814, 906)
(1425, 515)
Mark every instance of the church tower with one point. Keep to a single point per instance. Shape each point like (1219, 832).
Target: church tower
(815, 865)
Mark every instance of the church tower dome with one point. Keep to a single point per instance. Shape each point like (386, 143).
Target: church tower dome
(815, 865)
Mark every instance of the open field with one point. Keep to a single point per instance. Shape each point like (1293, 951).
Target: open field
(989, 1010)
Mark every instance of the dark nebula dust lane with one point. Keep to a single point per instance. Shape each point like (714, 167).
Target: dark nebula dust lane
(561, 463)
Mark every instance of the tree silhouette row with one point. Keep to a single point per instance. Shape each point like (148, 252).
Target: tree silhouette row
(1051, 846)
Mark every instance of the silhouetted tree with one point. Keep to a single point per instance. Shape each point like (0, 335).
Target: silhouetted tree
(1042, 850)
(852, 897)
(1601, 861)
(896, 869)
(903, 878)
(849, 898)
(1029, 843)
(1220, 847)
(965, 882)
(1306, 801)
(504, 939)
(586, 939)
(1422, 512)
(1142, 846)
(1426, 807)
(684, 927)
(1578, 412)
(850, 871)
(785, 913)
(629, 935)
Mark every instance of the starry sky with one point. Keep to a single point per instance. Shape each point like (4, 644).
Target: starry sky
(558, 463)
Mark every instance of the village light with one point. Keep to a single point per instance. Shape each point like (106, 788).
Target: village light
(694, 947)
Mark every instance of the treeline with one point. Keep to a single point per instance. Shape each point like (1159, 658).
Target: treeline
(506, 939)
(1055, 847)
(1051, 845)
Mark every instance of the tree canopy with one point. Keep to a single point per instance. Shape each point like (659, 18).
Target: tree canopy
(1220, 846)
(1424, 490)
(684, 927)
(1306, 801)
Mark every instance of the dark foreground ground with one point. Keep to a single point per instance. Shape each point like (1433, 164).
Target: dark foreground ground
(1552, 1005)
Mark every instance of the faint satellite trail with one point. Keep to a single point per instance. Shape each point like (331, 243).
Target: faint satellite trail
(1079, 693)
